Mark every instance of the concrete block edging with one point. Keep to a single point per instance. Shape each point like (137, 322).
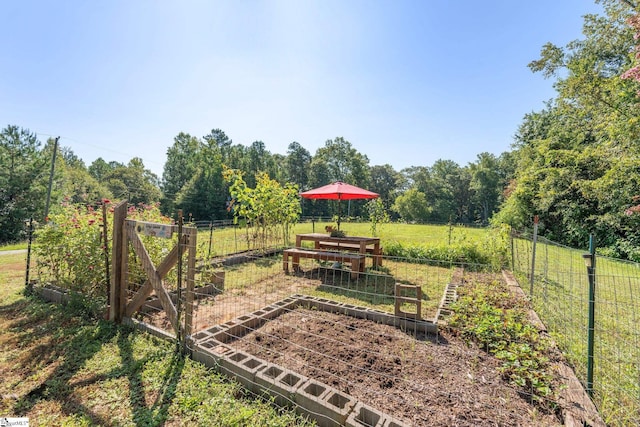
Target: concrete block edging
(326, 405)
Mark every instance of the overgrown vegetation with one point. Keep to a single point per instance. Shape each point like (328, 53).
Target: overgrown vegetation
(70, 248)
(491, 250)
(492, 318)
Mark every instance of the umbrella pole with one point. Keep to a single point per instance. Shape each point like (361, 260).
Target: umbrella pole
(338, 214)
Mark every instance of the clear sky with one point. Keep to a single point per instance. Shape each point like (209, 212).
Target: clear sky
(405, 82)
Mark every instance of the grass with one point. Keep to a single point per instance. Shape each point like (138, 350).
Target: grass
(13, 246)
(230, 240)
(561, 298)
(375, 289)
(61, 369)
(404, 233)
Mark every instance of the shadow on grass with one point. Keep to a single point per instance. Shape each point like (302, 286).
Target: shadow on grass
(84, 344)
(55, 337)
(155, 414)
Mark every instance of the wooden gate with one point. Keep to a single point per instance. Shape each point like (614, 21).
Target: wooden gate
(125, 232)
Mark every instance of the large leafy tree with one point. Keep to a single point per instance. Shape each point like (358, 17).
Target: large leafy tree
(276, 168)
(344, 163)
(443, 186)
(486, 182)
(203, 197)
(341, 162)
(386, 182)
(577, 159)
(192, 177)
(133, 182)
(73, 182)
(256, 162)
(318, 176)
(297, 165)
(80, 187)
(440, 190)
(99, 169)
(412, 206)
(22, 189)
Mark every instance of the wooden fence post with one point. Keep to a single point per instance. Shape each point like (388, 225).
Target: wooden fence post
(107, 269)
(179, 329)
(118, 266)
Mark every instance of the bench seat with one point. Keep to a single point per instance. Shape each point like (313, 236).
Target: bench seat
(356, 260)
(351, 247)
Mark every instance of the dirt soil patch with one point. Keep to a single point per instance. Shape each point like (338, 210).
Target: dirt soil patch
(424, 380)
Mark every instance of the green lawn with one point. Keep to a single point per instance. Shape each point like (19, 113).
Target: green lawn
(13, 246)
(375, 289)
(229, 240)
(404, 233)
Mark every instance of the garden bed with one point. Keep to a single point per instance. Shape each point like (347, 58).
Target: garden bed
(424, 379)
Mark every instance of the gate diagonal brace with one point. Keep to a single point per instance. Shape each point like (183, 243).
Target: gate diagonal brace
(145, 290)
(153, 275)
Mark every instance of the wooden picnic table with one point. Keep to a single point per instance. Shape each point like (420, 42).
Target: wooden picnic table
(362, 245)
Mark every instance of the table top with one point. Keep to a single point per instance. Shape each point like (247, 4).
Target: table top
(327, 238)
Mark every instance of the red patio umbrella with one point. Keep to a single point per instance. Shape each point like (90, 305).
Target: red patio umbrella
(339, 191)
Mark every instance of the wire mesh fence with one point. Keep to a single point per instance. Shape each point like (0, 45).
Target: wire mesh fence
(338, 332)
(320, 335)
(247, 282)
(558, 284)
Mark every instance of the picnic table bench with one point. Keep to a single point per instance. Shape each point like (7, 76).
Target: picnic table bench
(356, 260)
(352, 247)
(361, 245)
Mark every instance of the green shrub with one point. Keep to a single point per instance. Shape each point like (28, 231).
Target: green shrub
(69, 250)
(492, 250)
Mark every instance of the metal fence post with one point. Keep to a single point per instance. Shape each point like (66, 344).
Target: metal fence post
(27, 282)
(590, 261)
(513, 253)
(210, 239)
(533, 256)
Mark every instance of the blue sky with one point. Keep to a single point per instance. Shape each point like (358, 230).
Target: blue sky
(406, 82)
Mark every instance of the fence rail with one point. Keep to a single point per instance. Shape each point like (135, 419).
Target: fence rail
(558, 285)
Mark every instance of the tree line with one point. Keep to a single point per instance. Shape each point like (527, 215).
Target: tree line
(192, 180)
(575, 163)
